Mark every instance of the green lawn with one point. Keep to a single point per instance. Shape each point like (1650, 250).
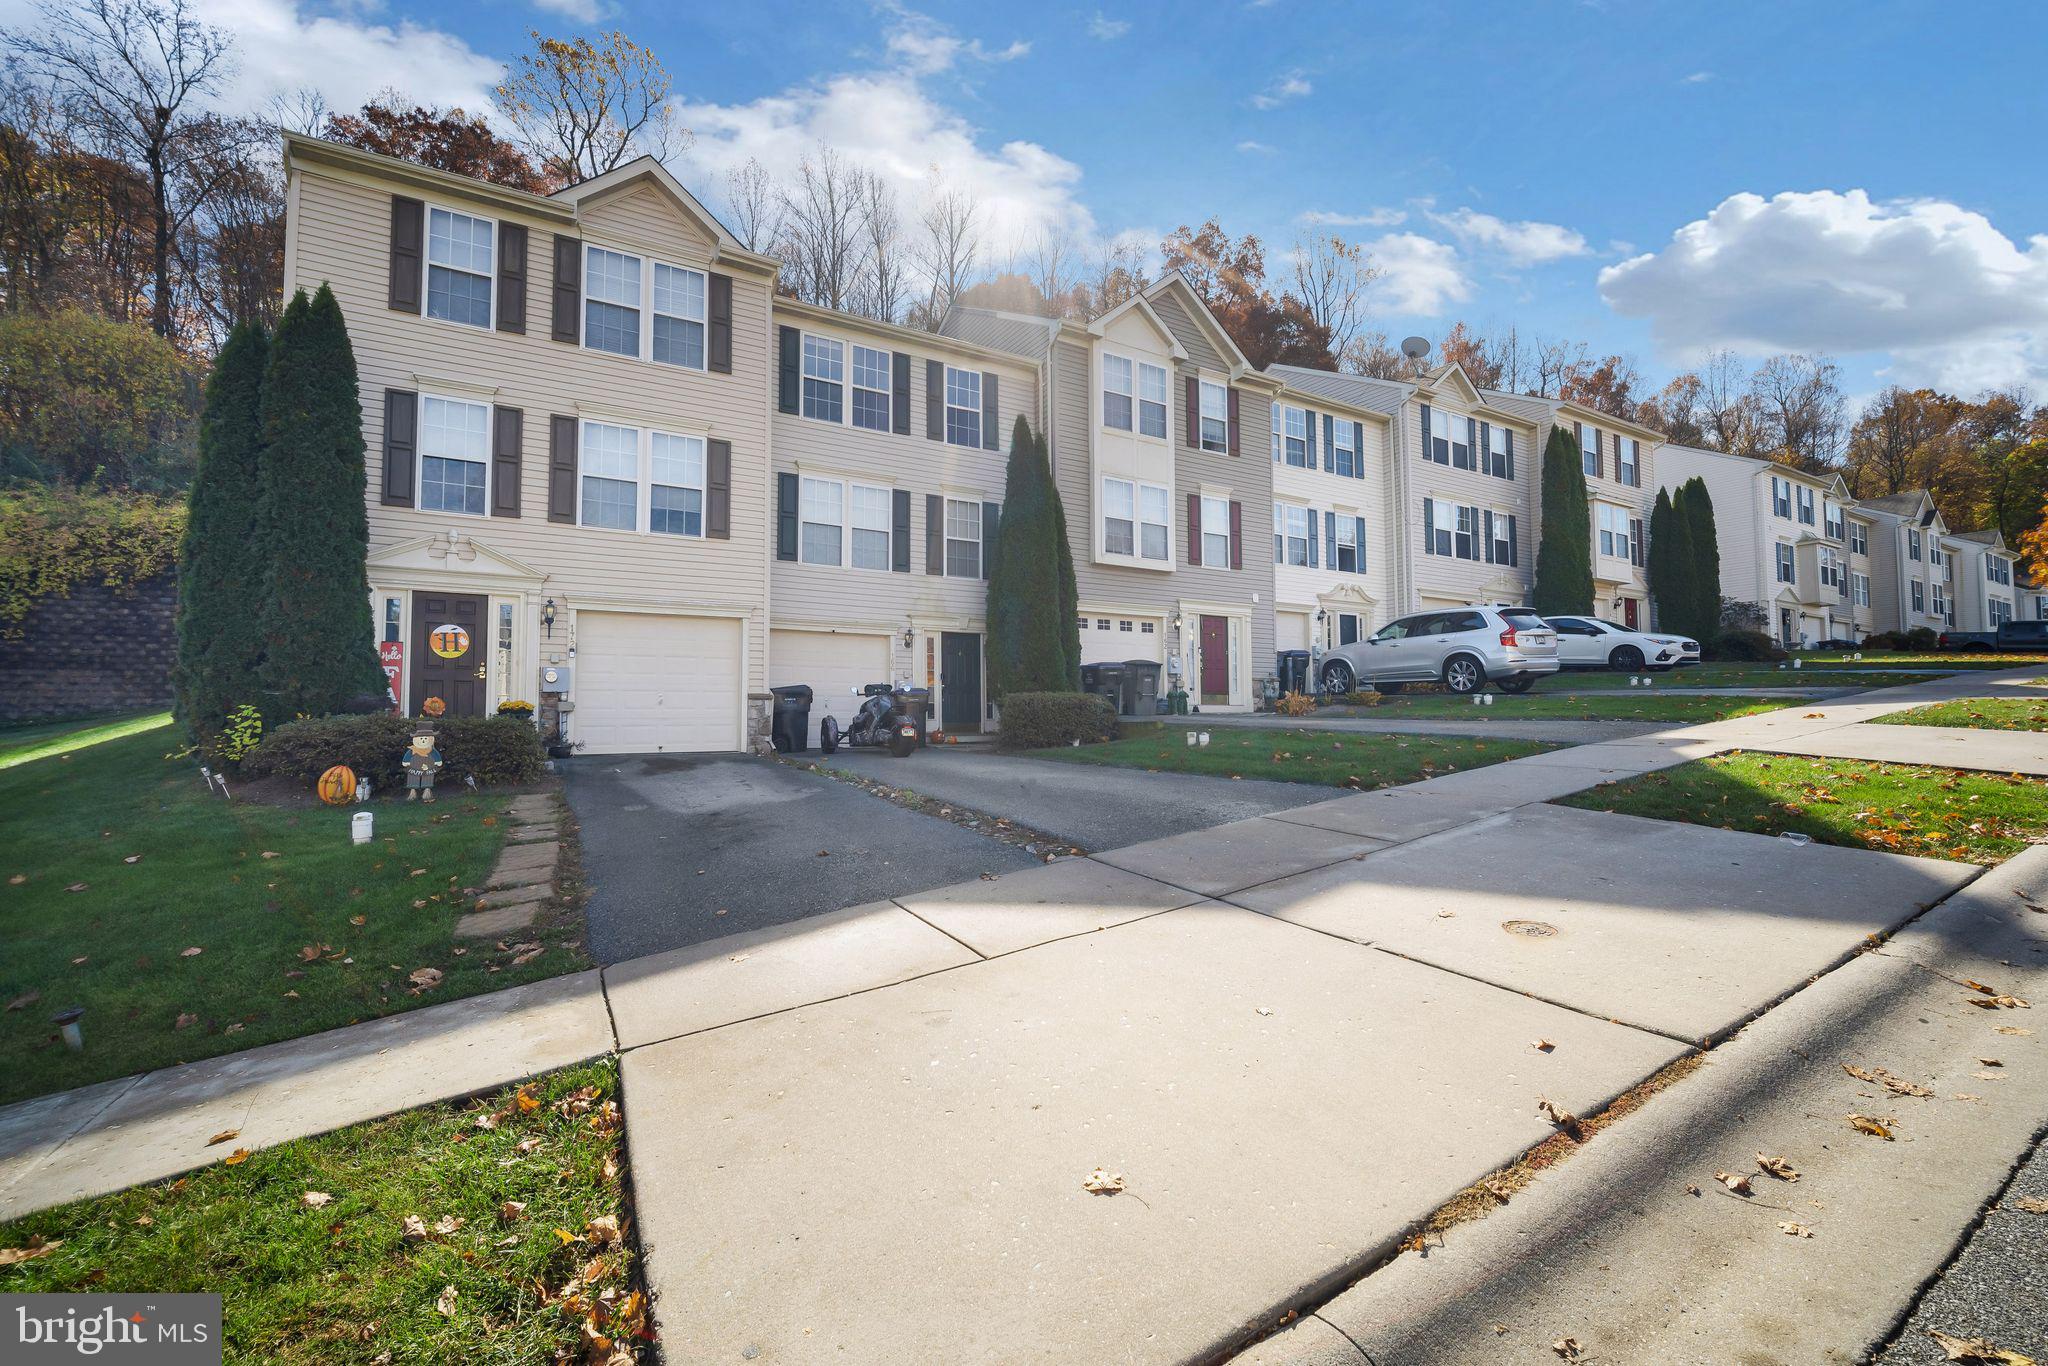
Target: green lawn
(1301, 756)
(1901, 808)
(1560, 703)
(188, 926)
(1921, 659)
(1976, 713)
(337, 1280)
(21, 744)
(1734, 676)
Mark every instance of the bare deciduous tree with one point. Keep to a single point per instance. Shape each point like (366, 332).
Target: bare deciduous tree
(885, 274)
(948, 250)
(1727, 413)
(753, 206)
(822, 238)
(583, 108)
(1053, 266)
(1369, 354)
(1800, 400)
(1331, 277)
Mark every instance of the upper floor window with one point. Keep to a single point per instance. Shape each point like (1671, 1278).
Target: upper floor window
(622, 295)
(1934, 553)
(1805, 505)
(1344, 545)
(1786, 571)
(1450, 439)
(1442, 528)
(1627, 460)
(1589, 450)
(963, 409)
(870, 388)
(1860, 587)
(1859, 538)
(1919, 595)
(1119, 386)
(824, 379)
(1290, 534)
(454, 450)
(610, 463)
(963, 538)
(611, 302)
(1831, 518)
(678, 316)
(1152, 400)
(844, 524)
(1499, 452)
(1781, 497)
(1614, 531)
(675, 484)
(1290, 436)
(459, 267)
(1216, 532)
(1215, 417)
(1997, 570)
(823, 506)
(1912, 544)
(871, 527)
(1343, 455)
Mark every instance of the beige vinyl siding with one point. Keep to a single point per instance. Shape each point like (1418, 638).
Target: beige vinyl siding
(1443, 579)
(1304, 589)
(1741, 495)
(340, 234)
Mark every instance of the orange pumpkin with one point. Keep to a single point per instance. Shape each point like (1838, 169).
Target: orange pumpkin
(338, 785)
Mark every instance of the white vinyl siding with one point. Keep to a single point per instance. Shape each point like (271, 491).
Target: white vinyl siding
(454, 447)
(460, 262)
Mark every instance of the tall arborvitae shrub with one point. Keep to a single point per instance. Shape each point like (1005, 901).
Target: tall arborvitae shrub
(1564, 557)
(1706, 553)
(1027, 627)
(313, 529)
(221, 578)
(1664, 576)
(1070, 593)
(1679, 611)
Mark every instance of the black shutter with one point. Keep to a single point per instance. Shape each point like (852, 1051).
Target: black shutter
(508, 426)
(991, 516)
(511, 278)
(1514, 549)
(1329, 443)
(561, 468)
(1510, 443)
(1314, 541)
(1486, 526)
(568, 296)
(1358, 450)
(934, 532)
(1485, 449)
(789, 368)
(990, 418)
(935, 400)
(401, 423)
(785, 516)
(408, 235)
(899, 532)
(1426, 455)
(1429, 526)
(1471, 444)
(721, 323)
(1330, 535)
(1308, 428)
(1359, 531)
(899, 393)
(718, 489)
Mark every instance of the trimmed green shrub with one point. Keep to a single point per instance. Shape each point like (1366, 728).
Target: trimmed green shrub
(1031, 597)
(1920, 638)
(496, 750)
(1697, 505)
(1564, 555)
(1751, 646)
(1040, 720)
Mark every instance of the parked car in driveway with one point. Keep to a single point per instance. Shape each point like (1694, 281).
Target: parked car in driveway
(1590, 643)
(2010, 635)
(1463, 648)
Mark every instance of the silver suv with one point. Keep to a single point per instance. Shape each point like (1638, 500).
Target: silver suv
(1463, 648)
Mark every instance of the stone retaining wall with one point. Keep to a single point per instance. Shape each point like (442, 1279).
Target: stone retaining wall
(96, 651)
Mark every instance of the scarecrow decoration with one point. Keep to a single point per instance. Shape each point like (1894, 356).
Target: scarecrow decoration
(421, 762)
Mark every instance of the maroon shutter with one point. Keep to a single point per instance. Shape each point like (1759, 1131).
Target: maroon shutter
(1194, 528)
(718, 489)
(561, 469)
(1233, 421)
(401, 418)
(408, 235)
(1194, 433)
(568, 297)
(1236, 534)
(508, 426)
(721, 323)
(511, 278)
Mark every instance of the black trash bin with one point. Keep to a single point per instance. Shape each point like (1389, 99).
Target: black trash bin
(790, 726)
(1140, 687)
(1105, 680)
(917, 705)
(1293, 671)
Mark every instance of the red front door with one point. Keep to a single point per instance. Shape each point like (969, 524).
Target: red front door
(1628, 613)
(1215, 660)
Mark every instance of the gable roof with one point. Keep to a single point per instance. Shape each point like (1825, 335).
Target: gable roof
(1138, 303)
(1384, 396)
(1908, 504)
(1016, 334)
(1453, 376)
(646, 170)
(1173, 282)
(1991, 538)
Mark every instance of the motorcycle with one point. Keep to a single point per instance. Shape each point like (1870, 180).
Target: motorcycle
(879, 720)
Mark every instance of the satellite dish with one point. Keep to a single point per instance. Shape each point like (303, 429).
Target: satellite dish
(1415, 348)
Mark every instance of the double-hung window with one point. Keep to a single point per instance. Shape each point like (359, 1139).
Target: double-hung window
(459, 267)
(963, 410)
(1155, 531)
(1462, 430)
(872, 526)
(1467, 540)
(1344, 548)
(454, 453)
(1614, 532)
(1152, 400)
(1290, 534)
(1119, 517)
(824, 379)
(1589, 450)
(1497, 452)
(1805, 506)
(1342, 455)
(1919, 596)
(1912, 544)
(1503, 538)
(610, 461)
(1831, 518)
(1830, 571)
(1441, 427)
(1291, 434)
(963, 539)
(1860, 585)
(611, 301)
(1443, 526)
(1216, 532)
(1786, 572)
(678, 316)
(1859, 538)
(1118, 392)
(1215, 416)
(1627, 454)
(870, 388)
(1934, 553)
(675, 484)
(823, 508)
(1940, 602)
(1781, 497)
(2001, 612)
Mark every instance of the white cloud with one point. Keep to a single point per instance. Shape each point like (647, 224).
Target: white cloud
(1371, 218)
(1106, 28)
(924, 45)
(1523, 244)
(1418, 275)
(1293, 85)
(582, 11)
(1698, 78)
(1949, 297)
(1253, 145)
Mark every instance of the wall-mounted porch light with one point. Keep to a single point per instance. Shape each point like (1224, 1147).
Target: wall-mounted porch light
(547, 617)
(909, 633)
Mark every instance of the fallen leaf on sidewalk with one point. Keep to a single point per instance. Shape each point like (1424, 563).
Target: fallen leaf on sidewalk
(1737, 1183)
(1978, 1351)
(1998, 1003)
(1778, 1167)
(1568, 1348)
(1864, 1124)
(1102, 1182)
(1562, 1118)
(1797, 1230)
(446, 1303)
(236, 1158)
(1991, 1062)
(1880, 1077)
(1264, 1010)
(315, 1199)
(1544, 1046)
(223, 1136)
(36, 1248)
(2017, 1031)
(1975, 985)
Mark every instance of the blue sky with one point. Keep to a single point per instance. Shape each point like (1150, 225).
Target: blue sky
(1652, 176)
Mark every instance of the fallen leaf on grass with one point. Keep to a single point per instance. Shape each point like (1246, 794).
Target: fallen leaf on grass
(236, 1158)
(1864, 1124)
(414, 1229)
(132, 858)
(1778, 1167)
(1878, 1076)
(1978, 1351)
(36, 1248)
(271, 853)
(315, 1199)
(185, 1021)
(223, 1136)
(190, 953)
(446, 1303)
(426, 979)
(1102, 1182)
(357, 919)
(1739, 1183)
(17, 879)
(25, 1000)
(81, 960)
(522, 959)
(602, 1231)
(511, 1210)
(447, 1224)
(1797, 1230)
(78, 886)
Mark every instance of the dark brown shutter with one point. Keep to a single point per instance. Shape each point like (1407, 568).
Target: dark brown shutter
(899, 529)
(1231, 410)
(1194, 529)
(1236, 534)
(899, 393)
(561, 468)
(785, 516)
(934, 533)
(568, 297)
(990, 417)
(991, 516)
(718, 489)
(511, 278)
(721, 323)
(401, 423)
(508, 439)
(935, 400)
(789, 361)
(408, 235)
(1194, 414)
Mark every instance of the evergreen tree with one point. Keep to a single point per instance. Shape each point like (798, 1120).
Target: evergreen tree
(1564, 558)
(1664, 583)
(1706, 553)
(221, 576)
(312, 528)
(1070, 593)
(1029, 623)
(1680, 603)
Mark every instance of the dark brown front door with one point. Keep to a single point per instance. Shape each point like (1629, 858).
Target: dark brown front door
(448, 652)
(1628, 613)
(1215, 660)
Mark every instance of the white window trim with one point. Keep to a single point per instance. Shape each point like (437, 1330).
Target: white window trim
(1344, 427)
(1280, 435)
(1785, 485)
(1139, 522)
(1104, 390)
(1613, 536)
(1859, 537)
(643, 504)
(427, 265)
(946, 418)
(1222, 502)
(946, 537)
(646, 306)
(1284, 512)
(420, 457)
(846, 484)
(1202, 418)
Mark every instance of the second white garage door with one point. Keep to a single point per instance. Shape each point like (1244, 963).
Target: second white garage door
(653, 684)
(1113, 639)
(833, 664)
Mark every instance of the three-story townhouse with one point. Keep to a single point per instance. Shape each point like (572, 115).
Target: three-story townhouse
(1157, 428)
(1911, 579)
(891, 449)
(566, 405)
(1621, 462)
(1986, 581)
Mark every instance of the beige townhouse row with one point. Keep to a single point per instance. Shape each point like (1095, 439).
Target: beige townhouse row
(611, 470)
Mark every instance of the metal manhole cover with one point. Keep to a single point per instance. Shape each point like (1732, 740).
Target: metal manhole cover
(1529, 929)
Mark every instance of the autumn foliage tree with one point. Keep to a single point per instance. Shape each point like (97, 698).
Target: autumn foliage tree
(452, 140)
(1230, 276)
(584, 107)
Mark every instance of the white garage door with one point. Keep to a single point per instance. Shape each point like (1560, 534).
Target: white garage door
(648, 684)
(833, 664)
(1290, 631)
(1112, 638)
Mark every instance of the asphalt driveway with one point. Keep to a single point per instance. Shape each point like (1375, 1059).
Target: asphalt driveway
(679, 849)
(1094, 808)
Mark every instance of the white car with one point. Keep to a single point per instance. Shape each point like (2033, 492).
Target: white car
(1590, 643)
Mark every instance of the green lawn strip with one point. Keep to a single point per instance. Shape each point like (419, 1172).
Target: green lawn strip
(23, 744)
(251, 886)
(1939, 659)
(1899, 808)
(1731, 676)
(1975, 713)
(338, 1280)
(1559, 705)
(1301, 756)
